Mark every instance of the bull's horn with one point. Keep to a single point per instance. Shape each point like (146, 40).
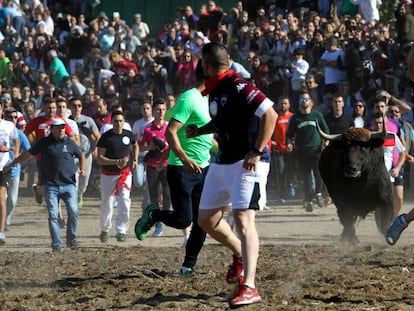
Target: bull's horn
(380, 134)
(327, 136)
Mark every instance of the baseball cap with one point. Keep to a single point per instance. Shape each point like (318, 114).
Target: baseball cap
(57, 122)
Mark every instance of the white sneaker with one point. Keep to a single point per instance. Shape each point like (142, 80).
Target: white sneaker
(2, 238)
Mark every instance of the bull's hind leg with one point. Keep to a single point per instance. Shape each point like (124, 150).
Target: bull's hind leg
(348, 233)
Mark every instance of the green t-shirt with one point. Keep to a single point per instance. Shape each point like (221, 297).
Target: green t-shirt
(60, 71)
(4, 68)
(192, 108)
(168, 114)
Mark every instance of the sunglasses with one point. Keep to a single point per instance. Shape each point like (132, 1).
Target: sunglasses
(11, 117)
(359, 106)
(304, 99)
(393, 111)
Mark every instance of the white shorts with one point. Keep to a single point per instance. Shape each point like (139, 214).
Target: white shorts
(231, 185)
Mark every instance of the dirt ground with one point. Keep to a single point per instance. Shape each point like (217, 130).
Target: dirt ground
(302, 266)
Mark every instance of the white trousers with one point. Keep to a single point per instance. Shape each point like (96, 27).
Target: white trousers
(108, 183)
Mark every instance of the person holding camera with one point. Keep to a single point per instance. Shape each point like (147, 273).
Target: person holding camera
(153, 140)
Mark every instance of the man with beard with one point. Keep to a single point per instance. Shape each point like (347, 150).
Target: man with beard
(244, 119)
(303, 135)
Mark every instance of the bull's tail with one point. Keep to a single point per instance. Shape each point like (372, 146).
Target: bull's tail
(383, 218)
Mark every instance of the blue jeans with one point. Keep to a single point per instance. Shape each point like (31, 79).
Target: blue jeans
(12, 195)
(69, 195)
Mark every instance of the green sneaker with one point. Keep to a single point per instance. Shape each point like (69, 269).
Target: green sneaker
(145, 223)
(80, 201)
(185, 271)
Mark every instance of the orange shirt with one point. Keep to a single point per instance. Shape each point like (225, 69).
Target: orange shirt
(279, 134)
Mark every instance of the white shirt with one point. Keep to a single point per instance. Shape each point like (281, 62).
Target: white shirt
(333, 75)
(369, 9)
(7, 131)
(389, 153)
(298, 74)
(141, 31)
(138, 129)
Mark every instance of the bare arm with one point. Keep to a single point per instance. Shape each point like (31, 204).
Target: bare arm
(21, 158)
(135, 153)
(193, 131)
(82, 163)
(16, 147)
(267, 125)
(103, 160)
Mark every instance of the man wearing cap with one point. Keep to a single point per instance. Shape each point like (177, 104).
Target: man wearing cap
(140, 28)
(58, 169)
(39, 126)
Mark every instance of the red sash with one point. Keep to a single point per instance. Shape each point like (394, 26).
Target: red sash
(121, 182)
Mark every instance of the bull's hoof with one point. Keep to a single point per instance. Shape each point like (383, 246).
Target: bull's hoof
(353, 240)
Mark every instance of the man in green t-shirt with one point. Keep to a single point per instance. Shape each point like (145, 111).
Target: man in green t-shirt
(187, 166)
(303, 138)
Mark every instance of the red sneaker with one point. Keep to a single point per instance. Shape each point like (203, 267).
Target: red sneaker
(245, 296)
(235, 271)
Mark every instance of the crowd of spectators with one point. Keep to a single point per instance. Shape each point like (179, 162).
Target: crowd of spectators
(63, 49)
(327, 47)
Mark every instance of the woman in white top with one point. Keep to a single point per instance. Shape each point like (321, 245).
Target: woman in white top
(359, 113)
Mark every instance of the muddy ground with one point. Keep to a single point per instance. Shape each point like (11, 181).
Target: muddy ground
(302, 266)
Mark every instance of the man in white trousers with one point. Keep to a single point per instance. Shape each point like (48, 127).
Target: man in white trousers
(117, 155)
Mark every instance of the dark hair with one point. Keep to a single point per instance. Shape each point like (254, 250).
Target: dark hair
(283, 97)
(47, 100)
(159, 101)
(216, 54)
(116, 108)
(117, 113)
(307, 92)
(73, 99)
(377, 115)
(365, 108)
(338, 94)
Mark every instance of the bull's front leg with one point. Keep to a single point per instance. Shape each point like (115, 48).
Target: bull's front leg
(348, 221)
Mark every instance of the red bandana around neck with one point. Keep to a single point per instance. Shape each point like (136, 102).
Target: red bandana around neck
(212, 82)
